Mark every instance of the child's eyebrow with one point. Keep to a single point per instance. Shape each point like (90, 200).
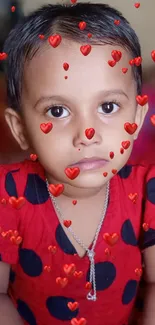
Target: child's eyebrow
(100, 93)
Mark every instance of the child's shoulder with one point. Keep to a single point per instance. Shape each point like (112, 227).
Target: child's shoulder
(138, 177)
(24, 165)
(137, 171)
(13, 177)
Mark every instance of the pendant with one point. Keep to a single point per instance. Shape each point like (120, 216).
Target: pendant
(91, 297)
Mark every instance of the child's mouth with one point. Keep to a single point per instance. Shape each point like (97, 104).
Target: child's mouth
(90, 163)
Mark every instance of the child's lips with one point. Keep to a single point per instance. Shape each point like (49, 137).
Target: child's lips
(90, 163)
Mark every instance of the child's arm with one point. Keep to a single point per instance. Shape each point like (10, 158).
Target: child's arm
(149, 276)
(8, 313)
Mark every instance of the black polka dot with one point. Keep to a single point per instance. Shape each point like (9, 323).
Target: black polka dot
(125, 171)
(12, 276)
(0, 257)
(130, 291)
(105, 275)
(63, 241)
(128, 234)
(150, 190)
(36, 190)
(57, 307)
(30, 262)
(10, 184)
(25, 312)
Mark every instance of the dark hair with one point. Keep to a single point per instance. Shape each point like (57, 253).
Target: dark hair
(23, 41)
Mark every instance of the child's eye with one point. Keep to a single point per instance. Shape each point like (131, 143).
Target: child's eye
(109, 108)
(57, 111)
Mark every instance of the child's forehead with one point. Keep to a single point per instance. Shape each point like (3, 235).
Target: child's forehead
(72, 51)
(93, 71)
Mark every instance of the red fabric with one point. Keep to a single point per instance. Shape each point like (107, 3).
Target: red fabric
(37, 224)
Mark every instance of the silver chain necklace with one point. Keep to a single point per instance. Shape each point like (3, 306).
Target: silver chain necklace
(90, 252)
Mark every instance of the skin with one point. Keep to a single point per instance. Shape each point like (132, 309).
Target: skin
(90, 83)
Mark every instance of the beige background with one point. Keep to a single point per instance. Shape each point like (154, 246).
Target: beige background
(142, 20)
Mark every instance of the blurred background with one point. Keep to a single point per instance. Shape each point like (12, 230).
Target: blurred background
(142, 20)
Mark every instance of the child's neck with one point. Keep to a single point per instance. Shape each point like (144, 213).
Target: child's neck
(84, 197)
(71, 192)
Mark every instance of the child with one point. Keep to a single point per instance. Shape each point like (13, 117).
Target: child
(72, 221)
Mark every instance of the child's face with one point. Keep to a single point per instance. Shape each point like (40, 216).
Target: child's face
(91, 82)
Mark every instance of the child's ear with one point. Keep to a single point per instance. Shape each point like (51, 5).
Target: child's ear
(15, 123)
(141, 112)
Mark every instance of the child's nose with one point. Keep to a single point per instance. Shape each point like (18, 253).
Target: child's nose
(86, 136)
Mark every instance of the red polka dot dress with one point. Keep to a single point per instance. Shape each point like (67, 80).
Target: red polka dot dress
(49, 282)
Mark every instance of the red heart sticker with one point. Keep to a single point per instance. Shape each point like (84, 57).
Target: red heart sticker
(62, 281)
(47, 268)
(15, 233)
(89, 133)
(152, 119)
(116, 22)
(105, 174)
(41, 36)
(114, 171)
(124, 70)
(121, 151)
(3, 201)
(111, 155)
(111, 239)
(116, 55)
(17, 203)
(145, 226)
(88, 285)
(90, 35)
(130, 128)
(73, 305)
(66, 66)
(52, 249)
(81, 321)
(73, 1)
(125, 144)
(132, 62)
(142, 100)
(67, 223)
(139, 272)
(46, 127)
(13, 8)
(138, 61)
(55, 40)
(112, 63)
(133, 197)
(33, 157)
(85, 49)
(153, 55)
(16, 240)
(137, 4)
(82, 25)
(107, 252)
(3, 56)
(56, 189)
(72, 172)
(74, 202)
(78, 275)
(69, 269)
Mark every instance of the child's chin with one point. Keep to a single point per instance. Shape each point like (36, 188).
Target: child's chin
(91, 179)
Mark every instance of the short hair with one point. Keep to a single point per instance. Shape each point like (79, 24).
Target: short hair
(23, 41)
